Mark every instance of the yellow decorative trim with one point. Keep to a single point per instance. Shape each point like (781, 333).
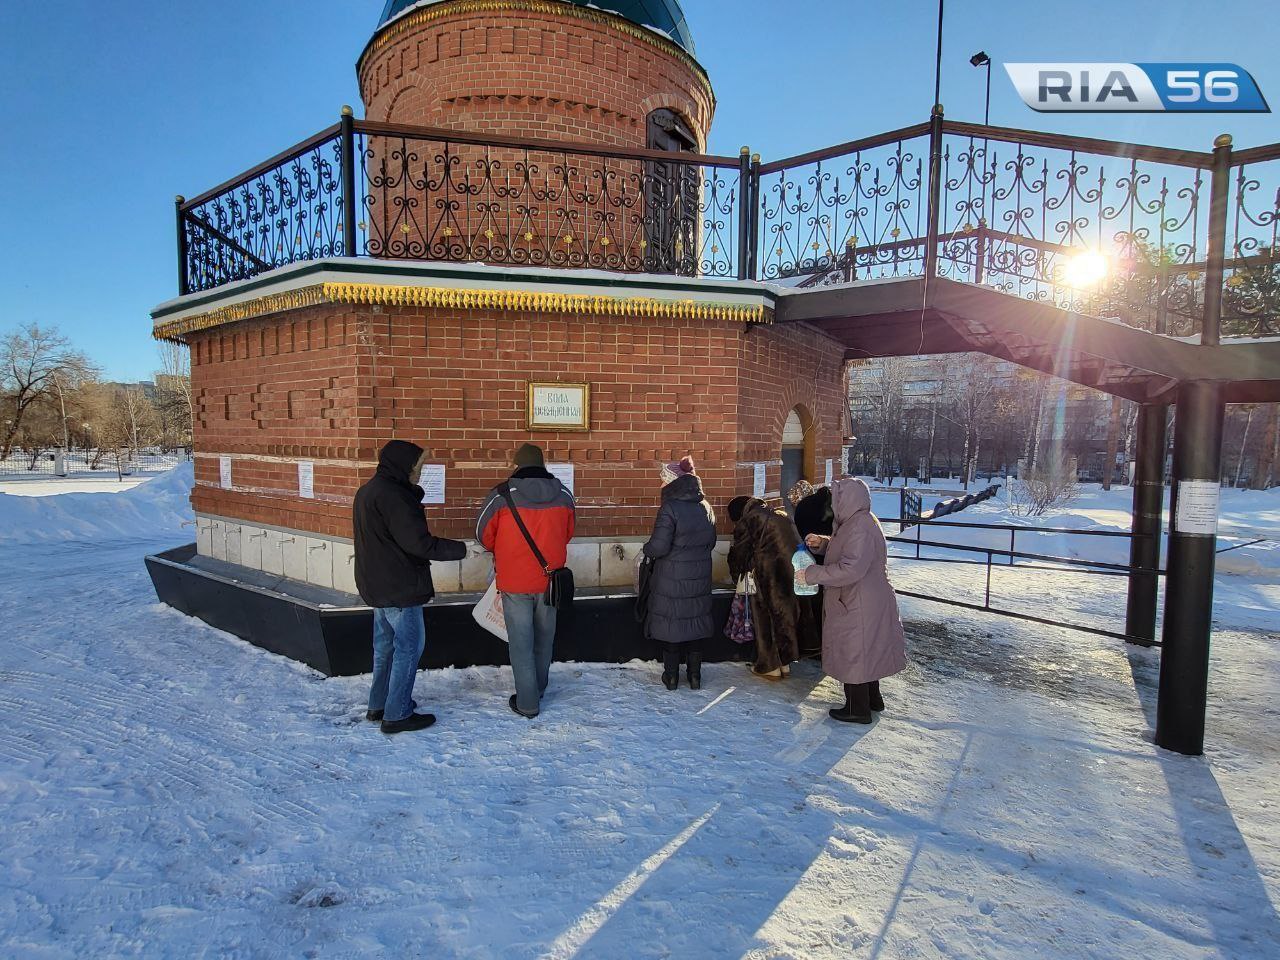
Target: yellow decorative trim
(454, 298)
(437, 10)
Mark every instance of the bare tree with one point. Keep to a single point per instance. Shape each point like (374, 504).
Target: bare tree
(173, 394)
(32, 358)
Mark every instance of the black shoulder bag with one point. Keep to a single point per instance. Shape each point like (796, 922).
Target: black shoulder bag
(559, 581)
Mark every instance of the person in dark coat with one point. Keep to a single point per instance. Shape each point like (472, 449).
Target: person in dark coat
(679, 609)
(814, 515)
(763, 541)
(394, 549)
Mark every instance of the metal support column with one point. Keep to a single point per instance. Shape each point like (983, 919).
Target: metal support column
(935, 193)
(1219, 188)
(753, 244)
(348, 172)
(1188, 595)
(1148, 502)
(744, 213)
(184, 285)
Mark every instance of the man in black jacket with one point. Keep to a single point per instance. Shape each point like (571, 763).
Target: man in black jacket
(394, 550)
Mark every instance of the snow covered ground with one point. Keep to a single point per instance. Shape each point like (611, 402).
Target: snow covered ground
(169, 791)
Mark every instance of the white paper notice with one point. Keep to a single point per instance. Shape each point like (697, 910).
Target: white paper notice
(562, 472)
(758, 487)
(1197, 507)
(224, 472)
(432, 482)
(306, 479)
(830, 470)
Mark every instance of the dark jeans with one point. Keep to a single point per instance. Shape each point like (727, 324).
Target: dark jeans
(398, 638)
(531, 635)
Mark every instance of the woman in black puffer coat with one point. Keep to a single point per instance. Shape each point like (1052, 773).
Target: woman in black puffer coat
(679, 608)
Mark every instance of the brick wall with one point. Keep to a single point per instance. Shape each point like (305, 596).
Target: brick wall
(541, 72)
(332, 383)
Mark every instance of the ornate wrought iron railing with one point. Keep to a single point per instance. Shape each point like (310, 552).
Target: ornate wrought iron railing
(1136, 232)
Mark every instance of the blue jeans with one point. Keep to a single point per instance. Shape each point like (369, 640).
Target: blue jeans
(531, 634)
(398, 638)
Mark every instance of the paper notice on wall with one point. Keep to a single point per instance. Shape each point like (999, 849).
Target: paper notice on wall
(831, 468)
(432, 483)
(306, 479)
(562, 472)
(224, 472)
(757, 488)
(1197, 510)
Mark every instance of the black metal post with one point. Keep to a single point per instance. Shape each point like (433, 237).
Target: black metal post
(935, 192)
(744, 213)
(754, 244)
(1188, 595)
(1148, 502)
(986, 111)
(980, 251)
(184, 286)
(348, 147)
(1219, 188)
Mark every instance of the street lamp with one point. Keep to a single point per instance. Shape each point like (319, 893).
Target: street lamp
(980, 59)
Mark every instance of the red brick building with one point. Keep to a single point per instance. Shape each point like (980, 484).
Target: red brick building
(301, 373)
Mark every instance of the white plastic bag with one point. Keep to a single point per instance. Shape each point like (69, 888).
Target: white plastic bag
(488, 612)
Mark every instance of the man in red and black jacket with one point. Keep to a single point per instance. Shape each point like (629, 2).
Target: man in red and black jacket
(547, 509)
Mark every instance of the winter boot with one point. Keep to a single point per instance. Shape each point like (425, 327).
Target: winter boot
(875, 700)
(515, 709)
(414, 721)
(695, 670)
(856, 707)
(670, 666)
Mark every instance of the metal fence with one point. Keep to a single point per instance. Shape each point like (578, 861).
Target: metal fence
(1026, 212)
(22, 464)
(919, 546)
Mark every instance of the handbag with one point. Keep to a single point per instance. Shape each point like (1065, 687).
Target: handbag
(560, 580)
(644, 573)
(746, 586)
(739, 627)
(488, 612)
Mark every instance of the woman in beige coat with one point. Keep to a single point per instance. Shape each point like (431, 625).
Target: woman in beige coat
(862, 638)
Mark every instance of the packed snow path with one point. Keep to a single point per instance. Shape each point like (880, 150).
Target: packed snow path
(168, 791)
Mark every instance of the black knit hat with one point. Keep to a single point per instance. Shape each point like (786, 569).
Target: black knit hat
(529, 455)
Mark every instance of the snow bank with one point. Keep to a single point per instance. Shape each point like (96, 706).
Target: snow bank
(153, 508)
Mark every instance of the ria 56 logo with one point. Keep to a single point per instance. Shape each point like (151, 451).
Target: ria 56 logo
(1137, 87)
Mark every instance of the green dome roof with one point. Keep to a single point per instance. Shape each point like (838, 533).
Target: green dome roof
(663, 16)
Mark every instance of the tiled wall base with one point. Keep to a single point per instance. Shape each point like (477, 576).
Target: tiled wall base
(330, 561)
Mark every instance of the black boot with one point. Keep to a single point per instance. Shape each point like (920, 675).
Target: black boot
(856, 707)
(875, 701)
(414, 721)
(695, 670)
(670, 666)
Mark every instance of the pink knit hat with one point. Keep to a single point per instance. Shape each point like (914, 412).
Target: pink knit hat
(673, 471)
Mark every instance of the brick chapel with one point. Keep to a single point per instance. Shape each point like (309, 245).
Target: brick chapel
(300, 374)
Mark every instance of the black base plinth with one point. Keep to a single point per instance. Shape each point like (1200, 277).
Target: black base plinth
(331, 630)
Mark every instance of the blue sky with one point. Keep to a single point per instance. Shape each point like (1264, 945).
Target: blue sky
(112, 108)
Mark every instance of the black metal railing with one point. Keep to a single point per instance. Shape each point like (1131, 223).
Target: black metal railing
(1025, 212)
(921, 547)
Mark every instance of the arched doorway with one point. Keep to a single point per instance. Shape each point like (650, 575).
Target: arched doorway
(797, 448)
(671, 197)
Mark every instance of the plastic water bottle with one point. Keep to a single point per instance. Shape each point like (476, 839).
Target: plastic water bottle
(799, 560)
